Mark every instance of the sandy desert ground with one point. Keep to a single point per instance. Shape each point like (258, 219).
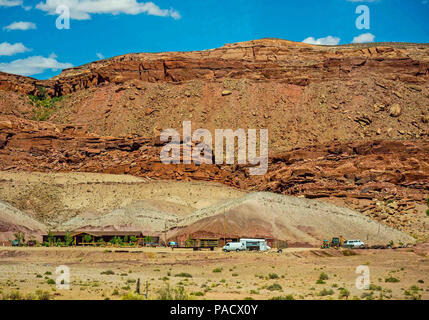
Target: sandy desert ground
(97, 273)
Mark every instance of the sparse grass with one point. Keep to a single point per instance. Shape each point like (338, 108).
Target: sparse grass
(132, 296)
(43, 295)
(13, 295)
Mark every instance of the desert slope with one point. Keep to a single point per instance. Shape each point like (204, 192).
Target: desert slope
(13, 220)
(299, 221)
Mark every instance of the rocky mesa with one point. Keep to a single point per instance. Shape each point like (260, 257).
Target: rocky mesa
(347, 124)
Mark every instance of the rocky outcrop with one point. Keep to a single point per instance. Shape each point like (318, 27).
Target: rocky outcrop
(260, 60)
(370, 176)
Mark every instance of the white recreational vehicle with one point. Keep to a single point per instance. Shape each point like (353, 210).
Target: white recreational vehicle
(255, 244)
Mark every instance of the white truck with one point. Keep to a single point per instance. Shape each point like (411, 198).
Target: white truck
(234, 246)
(353, 244)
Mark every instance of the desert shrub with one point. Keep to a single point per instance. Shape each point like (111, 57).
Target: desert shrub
(326, 292)
(413, 293)
(183, 275)
(348, 253)
(44, 106)
(287, 297)
(323, 276)
(391, 279)
(217, 270)
(198, 294)
(235, 274)
(273, 276)
(50, 281)
(168, 293)
(374, 287)
(367, 296)
(248, 298)
(108, 272)
(275, 287)
(344, 293)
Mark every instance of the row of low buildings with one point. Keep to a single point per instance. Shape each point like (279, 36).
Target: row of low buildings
(81, 238)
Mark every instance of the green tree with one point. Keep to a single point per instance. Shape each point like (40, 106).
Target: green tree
(51, 238)
(87, 238)
(189, 241)
(20, 237)
(133, 239)
(68, 239)
(148, 239)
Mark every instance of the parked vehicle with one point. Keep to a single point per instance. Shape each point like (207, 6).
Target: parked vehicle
(234, 246)
(173, 244)
(353, 244)
(255, 244)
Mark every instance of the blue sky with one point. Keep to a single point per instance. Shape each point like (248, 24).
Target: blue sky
(30, 43)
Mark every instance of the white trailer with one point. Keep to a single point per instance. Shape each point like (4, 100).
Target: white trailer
(255, 244)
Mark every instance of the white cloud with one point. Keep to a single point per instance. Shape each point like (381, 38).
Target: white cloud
(33, 65)
(99, 55)
(10, 3)
(329, 40)
(363, 38)
(8, 49)
(83, 9)
(21, 25)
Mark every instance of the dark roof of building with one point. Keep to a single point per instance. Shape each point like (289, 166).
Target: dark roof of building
(97, 233)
